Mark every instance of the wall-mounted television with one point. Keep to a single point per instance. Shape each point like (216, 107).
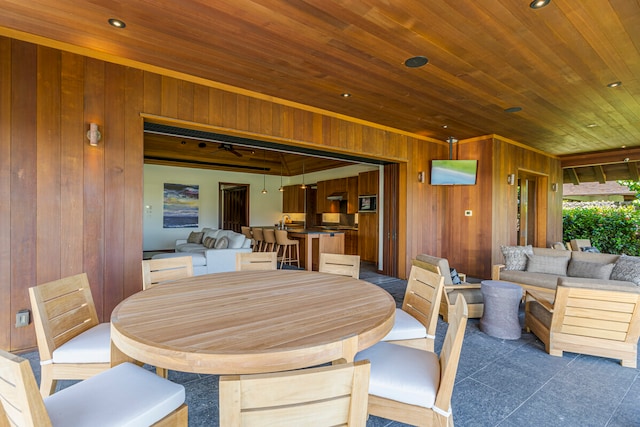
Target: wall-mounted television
(453, 172)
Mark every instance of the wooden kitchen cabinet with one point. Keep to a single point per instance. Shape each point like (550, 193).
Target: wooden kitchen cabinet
(368, 183)
(351, 242)
(293, 199)
(352, 192)
(368, 236)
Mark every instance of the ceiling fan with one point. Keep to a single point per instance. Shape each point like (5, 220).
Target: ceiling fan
(223, 146)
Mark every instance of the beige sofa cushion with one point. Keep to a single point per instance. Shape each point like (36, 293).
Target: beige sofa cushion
(540, 280)
(547, 264)
(590, 270)
(442, 263)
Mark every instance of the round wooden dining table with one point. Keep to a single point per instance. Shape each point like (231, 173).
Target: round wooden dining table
(251, 322)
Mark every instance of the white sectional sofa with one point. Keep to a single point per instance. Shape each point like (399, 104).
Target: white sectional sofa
(211, 260)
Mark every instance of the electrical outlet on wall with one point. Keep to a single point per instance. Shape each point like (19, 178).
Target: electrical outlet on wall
(22, 318)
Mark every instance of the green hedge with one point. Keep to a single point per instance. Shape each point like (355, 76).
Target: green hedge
(611, 228)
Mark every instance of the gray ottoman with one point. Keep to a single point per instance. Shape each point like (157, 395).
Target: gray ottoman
(501, 303)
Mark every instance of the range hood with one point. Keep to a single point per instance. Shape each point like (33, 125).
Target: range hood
(337, 196)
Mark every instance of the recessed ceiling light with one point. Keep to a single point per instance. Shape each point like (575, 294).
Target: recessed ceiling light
(345, 95)
(416, 61)
(512, 109)
(539, 4)
(444, 126)
(614, 84)
(592, 125)
(116, 23)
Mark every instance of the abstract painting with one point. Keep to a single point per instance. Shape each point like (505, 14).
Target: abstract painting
(180, 206)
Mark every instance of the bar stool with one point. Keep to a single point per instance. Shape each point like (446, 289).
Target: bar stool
(270, 243)
(258, 236)
(246, 231)
(283, 241)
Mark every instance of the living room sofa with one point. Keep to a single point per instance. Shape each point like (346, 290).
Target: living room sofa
(220, 257)
(539, 268)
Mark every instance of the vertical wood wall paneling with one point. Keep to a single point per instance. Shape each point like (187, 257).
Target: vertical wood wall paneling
(133, 180)
(153, 93)
(425, 203)
(23, 196)
(94, 185)
(113, 141)
(48, 215)
(73, 139)
(185, 100)
(5, 192)
(467, 236)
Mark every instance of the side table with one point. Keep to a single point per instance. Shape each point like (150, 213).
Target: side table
(501, 304)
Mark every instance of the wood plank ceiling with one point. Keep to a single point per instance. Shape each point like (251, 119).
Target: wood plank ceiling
(485, 57)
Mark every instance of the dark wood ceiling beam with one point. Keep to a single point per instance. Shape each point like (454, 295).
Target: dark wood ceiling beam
(600, 157)
(633, 171)
(573, 176)
(600, 175)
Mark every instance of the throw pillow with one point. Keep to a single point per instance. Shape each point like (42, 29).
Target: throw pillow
(589, 270)
(195, 237)
(627, 268)
(547, 264)
(590, 249)
(209, 242)
(222, 243)
(515, 257)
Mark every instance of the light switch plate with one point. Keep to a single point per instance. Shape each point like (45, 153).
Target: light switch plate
(468, 213)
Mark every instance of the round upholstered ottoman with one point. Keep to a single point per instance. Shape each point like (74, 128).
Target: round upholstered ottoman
(500, 315)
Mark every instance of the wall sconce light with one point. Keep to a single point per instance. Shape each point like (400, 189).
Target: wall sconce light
(554, 187)
(93, 134)
(511, 178)
(421, 177)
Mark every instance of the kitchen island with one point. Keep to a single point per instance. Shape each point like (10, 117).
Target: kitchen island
(314, 242)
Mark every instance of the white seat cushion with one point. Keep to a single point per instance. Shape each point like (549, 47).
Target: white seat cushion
(405, 327)
(124, 396)
(92, 346)
(403, 374)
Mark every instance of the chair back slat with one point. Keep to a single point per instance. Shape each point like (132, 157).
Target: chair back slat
(251, 261)
(342, 265)
(422, 297)
(21, 404)
(62, 309)
(329, 395)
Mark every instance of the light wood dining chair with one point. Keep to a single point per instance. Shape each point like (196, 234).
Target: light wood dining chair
(163, 270)
(325, 396)
(414, 386)
(124, 395)
(72, 343)
(247, 261)
(343, 265)
(415, 323)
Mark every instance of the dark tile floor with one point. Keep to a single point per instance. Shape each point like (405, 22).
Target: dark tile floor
(499, 383)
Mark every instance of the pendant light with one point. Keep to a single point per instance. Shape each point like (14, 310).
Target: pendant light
(264, 175)
(281, 189)
(303, 186)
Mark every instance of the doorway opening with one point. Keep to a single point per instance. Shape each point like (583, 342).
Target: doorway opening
(532, 209)
(234, 206)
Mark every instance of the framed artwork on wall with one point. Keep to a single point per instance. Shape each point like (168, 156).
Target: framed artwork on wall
(181, 206)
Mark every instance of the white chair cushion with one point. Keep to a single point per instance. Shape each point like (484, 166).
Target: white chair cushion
(92, 346)
(124, 396)
(403, 374)
(405, 327)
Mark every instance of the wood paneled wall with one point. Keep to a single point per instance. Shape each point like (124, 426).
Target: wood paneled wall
(68, 207)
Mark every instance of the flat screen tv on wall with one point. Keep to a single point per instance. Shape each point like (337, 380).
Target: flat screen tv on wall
(453, 172)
